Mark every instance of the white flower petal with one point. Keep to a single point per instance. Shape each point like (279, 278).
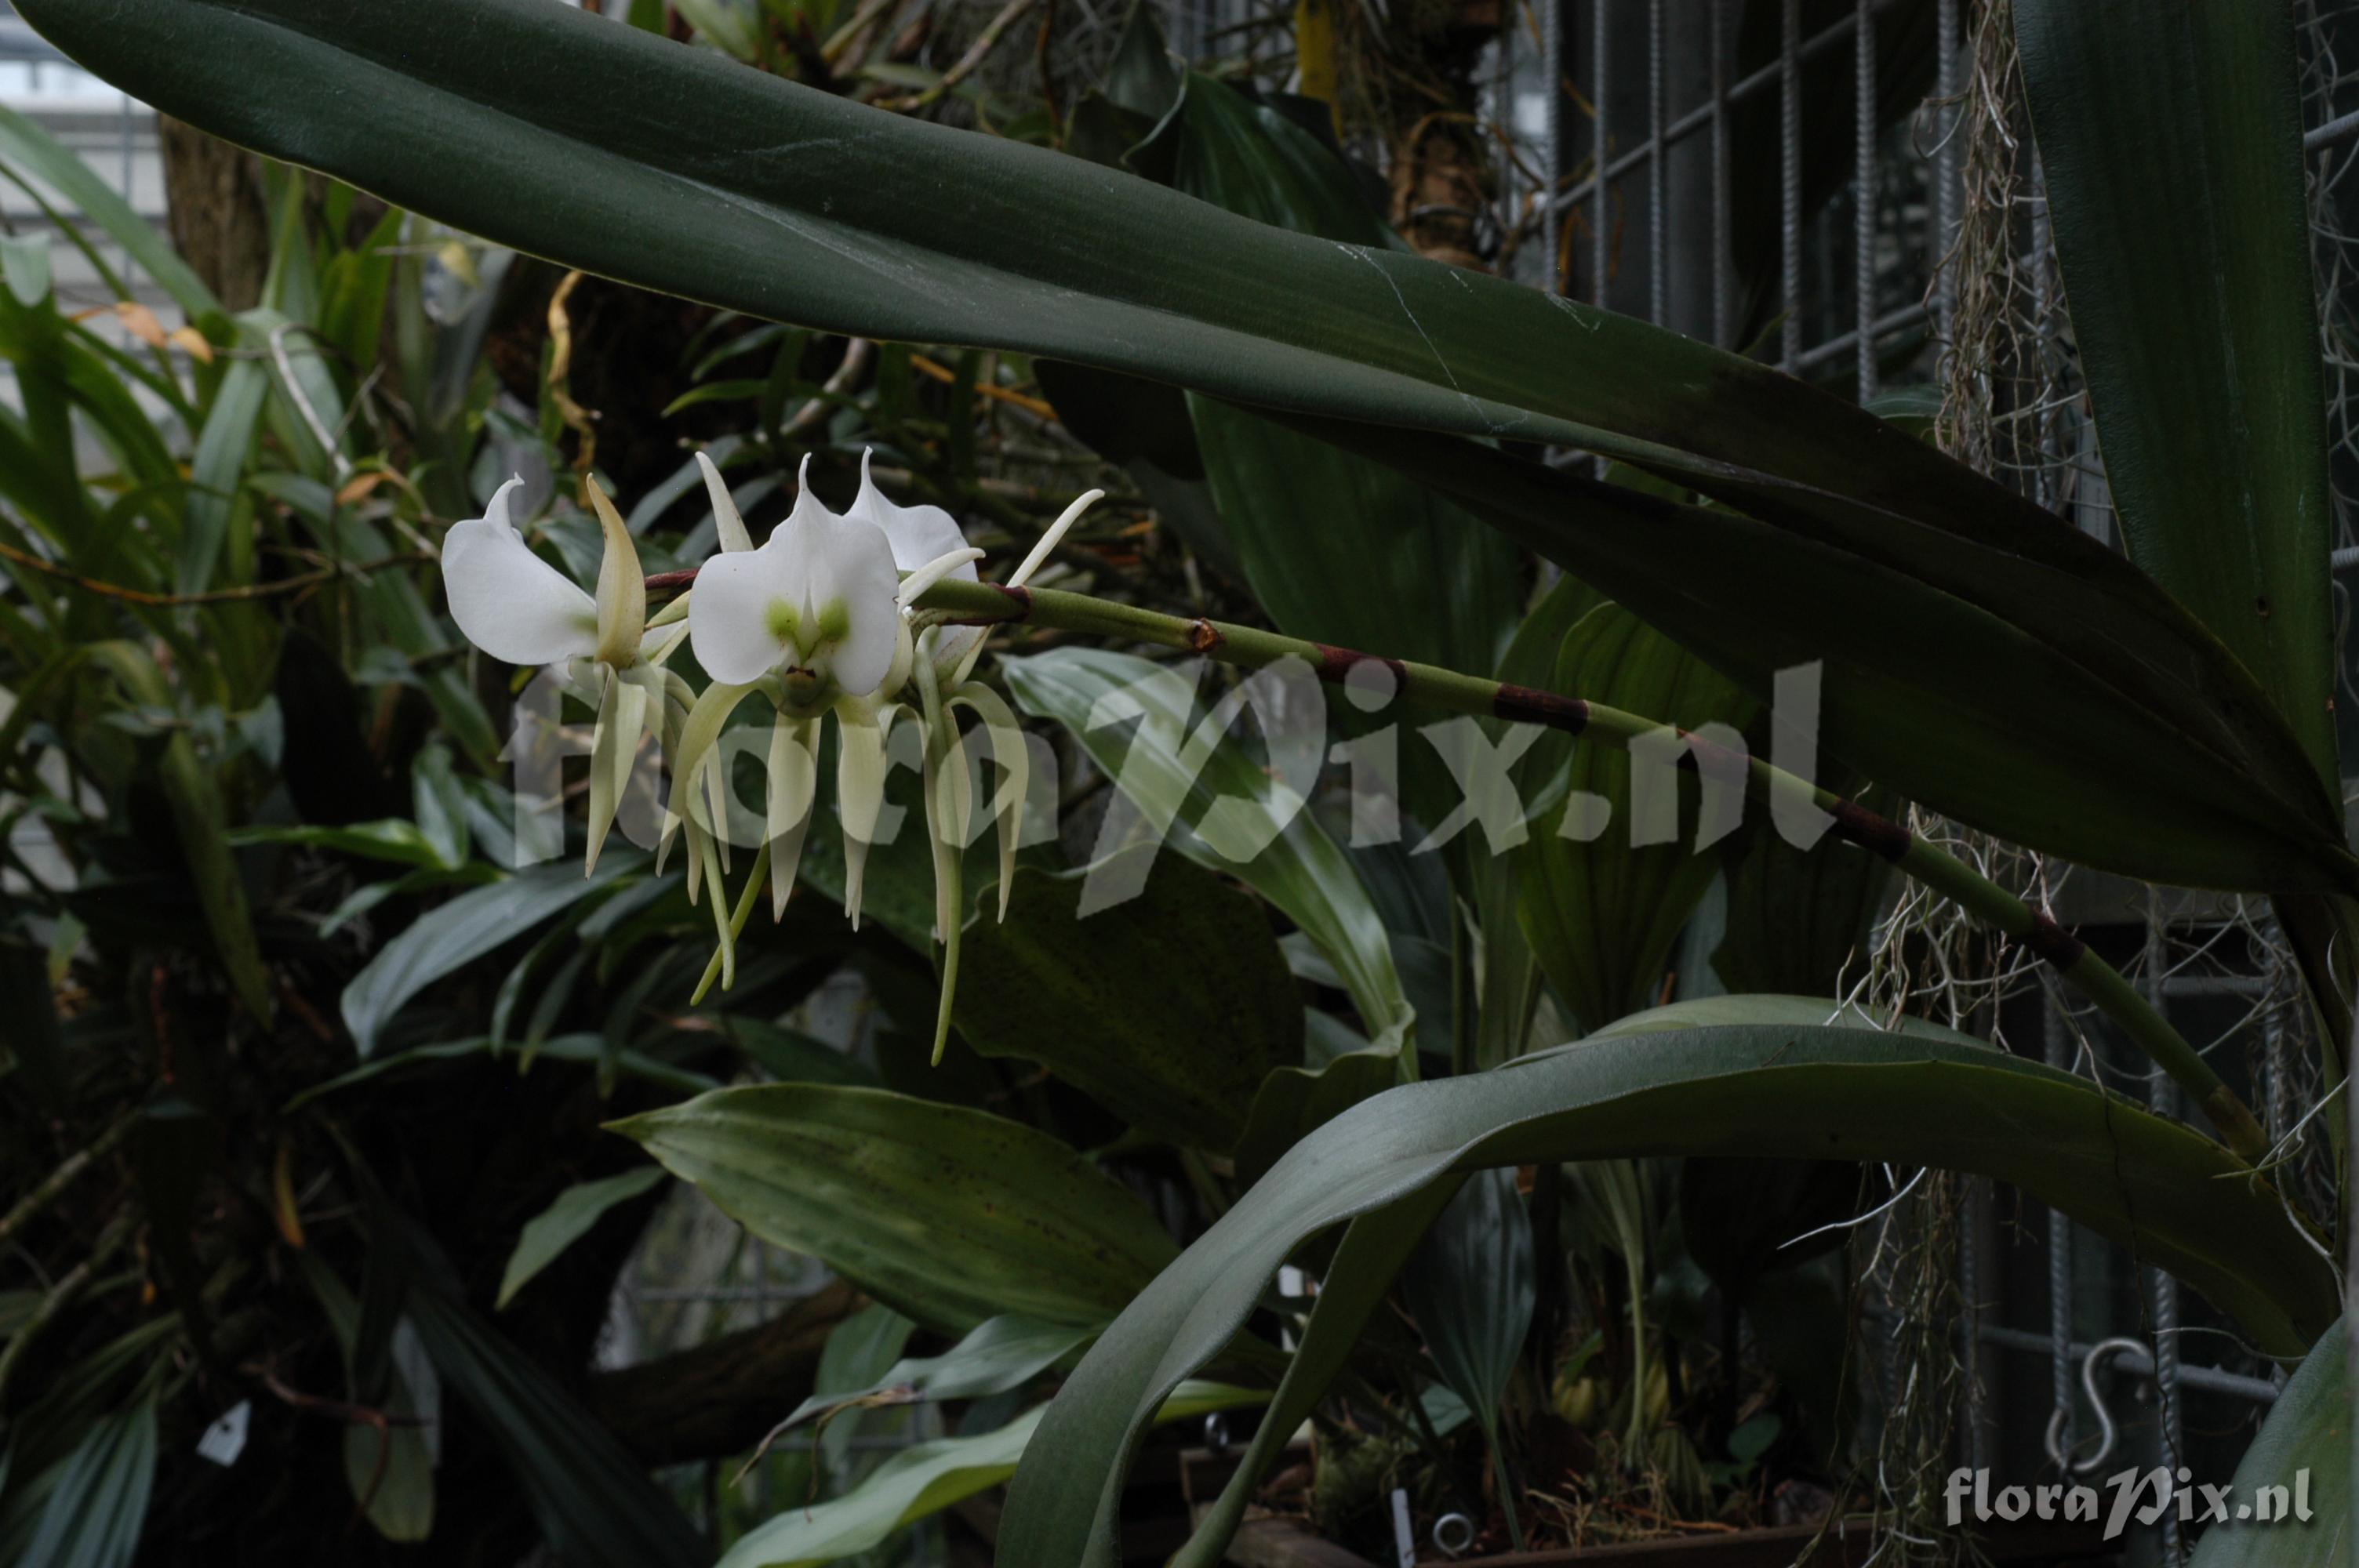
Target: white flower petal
(851, 564)
(793, 786)
(913, 586)
(726, 523)
(508, 601)
(917, 534)
(1056, 532)
(729, 619)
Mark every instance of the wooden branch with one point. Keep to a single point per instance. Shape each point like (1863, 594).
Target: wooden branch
(719, 1398)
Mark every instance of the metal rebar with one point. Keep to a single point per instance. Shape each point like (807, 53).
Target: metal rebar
(1719, 111)
(2056, 1046)
(1891, 321)
(1790, 180)
(2342, 128)
(1863, 215)
(2163, 1290)
(1946, 169)
(1552, 127)
(1601, 40)
(1659, 267)
(1973, 1201)
(2140, 1363)
(1700, 117)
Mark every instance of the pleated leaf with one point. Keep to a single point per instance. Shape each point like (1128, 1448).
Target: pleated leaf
(948, 1215)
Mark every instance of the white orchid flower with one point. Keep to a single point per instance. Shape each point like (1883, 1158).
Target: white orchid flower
(518, 608)
(823, 619)
(818, 604)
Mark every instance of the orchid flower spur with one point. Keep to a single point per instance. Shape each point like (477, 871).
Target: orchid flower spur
(822, 618)
(517, 607)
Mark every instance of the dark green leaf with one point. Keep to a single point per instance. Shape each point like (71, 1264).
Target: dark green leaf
(1301, 869)
(567, 1220)
(1293, 1100)
(707, 186)
(1470, 1288)
(1802, 1092)
(1119, 1004)
(586, 1049)
(2026, 680)
(1796, 919)
(462, 931)
(98, 1503)
(925, 1478)
(390, 1472)
(1411, 574)
(2301, 1456)
(789, 1055)
(2185, 243)
(1001, 1354)
(595, 1508)
(1602, 915)
(950, 1214)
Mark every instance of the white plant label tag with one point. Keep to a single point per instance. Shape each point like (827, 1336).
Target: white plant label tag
(225, 1439)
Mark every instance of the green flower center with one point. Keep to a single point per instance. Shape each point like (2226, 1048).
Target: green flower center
(807, 635)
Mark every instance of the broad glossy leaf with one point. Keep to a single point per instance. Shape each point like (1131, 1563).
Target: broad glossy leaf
(672, 167)
(1336, 547)
(1117, 1004)
(567, 1218)
(1511, 978)
(1301, 869)
(2029, 684)
(1801, 1092)
(460, 931)
(1293, 1100)
(2305, 1443)
(1600, 916)
(925, 1478)
(1783, 1012)
(1797, 918)
(2185, 243)
(948, 1214)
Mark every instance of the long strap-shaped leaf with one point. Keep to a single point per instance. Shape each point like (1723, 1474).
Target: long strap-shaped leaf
(1792, 1092)
(1932, 686)
(2184, 239)
(621, 153)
